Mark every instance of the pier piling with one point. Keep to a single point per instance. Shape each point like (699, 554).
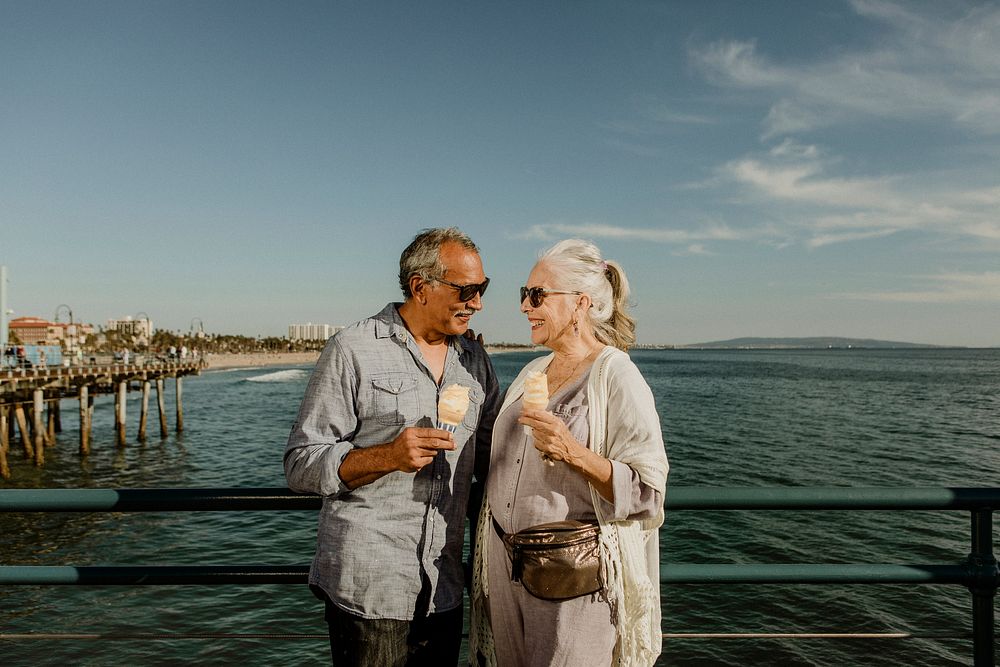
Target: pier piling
(84, 420)
(144, 410)
(50, 422)
(122, 401)
(180, 405)
(22, 425)
(116, 411)
(161, 404)
(36, 422)
(90, 417)
(4, 442)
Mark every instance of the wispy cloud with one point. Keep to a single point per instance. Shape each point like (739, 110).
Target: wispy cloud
(923, 67)
(653, 119)
(634, 148)
(805, 206)
(830, 209)
(935, 65)
(821, 240)
(666, 115)
(692, 237)
(941, 288)
(802, 182)
(693, 249)
(649, 121)
(789, 148)
(786, 117)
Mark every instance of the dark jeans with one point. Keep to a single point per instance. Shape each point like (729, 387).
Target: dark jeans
(385, 642)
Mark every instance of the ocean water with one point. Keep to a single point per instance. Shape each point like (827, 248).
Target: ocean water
(730, 418)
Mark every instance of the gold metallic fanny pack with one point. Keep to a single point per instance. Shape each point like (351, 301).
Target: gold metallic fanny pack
(555, 561)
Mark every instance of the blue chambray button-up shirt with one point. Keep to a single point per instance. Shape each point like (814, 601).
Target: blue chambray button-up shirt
(379, 544)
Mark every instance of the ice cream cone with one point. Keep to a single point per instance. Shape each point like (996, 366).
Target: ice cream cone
(452, 406)
(536, 394)
(536, 397)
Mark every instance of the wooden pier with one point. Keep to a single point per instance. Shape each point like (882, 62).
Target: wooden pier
(30, 402)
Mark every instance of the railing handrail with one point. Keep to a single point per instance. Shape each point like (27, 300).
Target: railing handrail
(678, 498)
(979, 572)
(670, 573)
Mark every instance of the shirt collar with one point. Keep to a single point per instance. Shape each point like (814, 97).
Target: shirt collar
(388, 324)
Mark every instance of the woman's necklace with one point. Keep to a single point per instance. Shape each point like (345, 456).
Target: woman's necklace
(572, 374)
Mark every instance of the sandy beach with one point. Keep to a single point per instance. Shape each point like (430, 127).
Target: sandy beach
(261, 359)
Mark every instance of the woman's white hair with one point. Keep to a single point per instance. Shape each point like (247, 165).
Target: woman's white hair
(577, 266)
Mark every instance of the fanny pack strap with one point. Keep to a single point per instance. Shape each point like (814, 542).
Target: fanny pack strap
(499, 531)
(513, 553)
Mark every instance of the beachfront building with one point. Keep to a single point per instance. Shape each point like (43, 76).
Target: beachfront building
(35, 331)
(310, 331)
(140, 328)
(39, 331)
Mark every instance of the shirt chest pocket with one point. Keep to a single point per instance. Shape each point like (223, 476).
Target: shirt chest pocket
(395, 399)
(476, 398)
(576, 419)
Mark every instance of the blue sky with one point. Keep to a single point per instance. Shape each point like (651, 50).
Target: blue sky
(760, 169)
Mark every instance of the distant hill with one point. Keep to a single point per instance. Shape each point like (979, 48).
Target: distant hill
(819, 342)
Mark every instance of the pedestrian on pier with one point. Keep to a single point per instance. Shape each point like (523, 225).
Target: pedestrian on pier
(395, 489)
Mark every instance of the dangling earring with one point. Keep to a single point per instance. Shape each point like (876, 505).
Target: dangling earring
(576, 328)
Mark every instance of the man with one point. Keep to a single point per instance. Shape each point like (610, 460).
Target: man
(396, 490)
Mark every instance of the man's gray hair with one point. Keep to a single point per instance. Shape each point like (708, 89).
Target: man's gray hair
(423, 256)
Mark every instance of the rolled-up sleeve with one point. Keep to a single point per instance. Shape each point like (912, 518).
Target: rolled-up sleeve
(634, 500)
(326, 422)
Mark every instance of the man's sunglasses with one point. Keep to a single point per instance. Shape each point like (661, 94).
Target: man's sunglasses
(467, 292)
(536, 295)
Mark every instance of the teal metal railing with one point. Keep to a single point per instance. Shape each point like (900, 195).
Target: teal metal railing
(978, 572)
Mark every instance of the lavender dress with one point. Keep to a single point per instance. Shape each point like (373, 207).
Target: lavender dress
(525, 491)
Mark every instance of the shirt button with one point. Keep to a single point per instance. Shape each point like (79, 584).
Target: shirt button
(439, 476)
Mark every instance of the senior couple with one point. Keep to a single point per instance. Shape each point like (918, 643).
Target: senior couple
(397, 490)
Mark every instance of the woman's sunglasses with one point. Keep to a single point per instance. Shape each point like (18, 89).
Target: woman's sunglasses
(467, 292)
(536, 295)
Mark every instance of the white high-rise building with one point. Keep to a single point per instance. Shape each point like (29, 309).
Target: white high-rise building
(310, 331)
(140, 328)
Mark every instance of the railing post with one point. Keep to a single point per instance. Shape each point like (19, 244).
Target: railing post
(983, 565)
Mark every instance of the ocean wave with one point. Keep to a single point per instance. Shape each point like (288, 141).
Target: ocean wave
(291, 375)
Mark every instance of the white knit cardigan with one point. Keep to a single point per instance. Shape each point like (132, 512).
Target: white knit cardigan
(624, 426)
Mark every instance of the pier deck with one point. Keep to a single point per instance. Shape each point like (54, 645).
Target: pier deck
(30, 400)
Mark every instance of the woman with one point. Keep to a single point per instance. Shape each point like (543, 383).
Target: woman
(597, 454)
